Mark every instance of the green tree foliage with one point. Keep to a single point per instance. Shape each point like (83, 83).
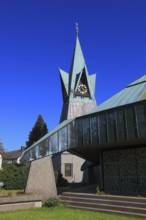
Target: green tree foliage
(38, 131)
(2, 150)
(14, 176)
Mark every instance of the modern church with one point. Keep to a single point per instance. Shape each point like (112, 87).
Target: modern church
(111, 137)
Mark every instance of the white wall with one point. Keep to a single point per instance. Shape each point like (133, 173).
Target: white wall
(77, 162)
(0, 161)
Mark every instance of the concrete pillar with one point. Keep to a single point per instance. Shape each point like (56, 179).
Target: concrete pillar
(41, 178)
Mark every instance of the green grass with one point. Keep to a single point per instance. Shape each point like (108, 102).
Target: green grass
(60, 213)
(4, 192)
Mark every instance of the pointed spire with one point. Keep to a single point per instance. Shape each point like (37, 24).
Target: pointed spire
(77, 65)
(78, 61)
(77, 29)
(76, 103)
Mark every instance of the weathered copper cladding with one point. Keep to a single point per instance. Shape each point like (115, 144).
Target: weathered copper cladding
(78, 87)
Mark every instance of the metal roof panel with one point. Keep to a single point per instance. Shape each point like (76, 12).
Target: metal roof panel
(133, 93)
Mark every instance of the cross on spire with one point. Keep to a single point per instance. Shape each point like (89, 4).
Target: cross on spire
(77, 28)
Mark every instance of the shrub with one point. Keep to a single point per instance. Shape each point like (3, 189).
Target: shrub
(14, 176)
(52, 201)
(98, 191)
(61, 181)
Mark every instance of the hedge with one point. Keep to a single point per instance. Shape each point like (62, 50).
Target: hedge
(14, 176)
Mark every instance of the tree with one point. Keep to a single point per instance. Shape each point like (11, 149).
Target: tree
(38, 131)
(2, 150)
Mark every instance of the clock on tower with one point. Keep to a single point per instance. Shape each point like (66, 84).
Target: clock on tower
(82, 89)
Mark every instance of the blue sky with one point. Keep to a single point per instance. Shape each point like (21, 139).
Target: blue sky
(38, 36)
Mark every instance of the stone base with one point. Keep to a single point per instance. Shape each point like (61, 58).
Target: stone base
(12, 203)
(41, 180)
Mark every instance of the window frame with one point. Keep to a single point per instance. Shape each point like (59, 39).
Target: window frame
(70, 170)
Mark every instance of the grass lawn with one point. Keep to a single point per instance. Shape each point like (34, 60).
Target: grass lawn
(4, 192)
(60, 213)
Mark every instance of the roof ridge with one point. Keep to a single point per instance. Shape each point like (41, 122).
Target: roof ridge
(140, 80)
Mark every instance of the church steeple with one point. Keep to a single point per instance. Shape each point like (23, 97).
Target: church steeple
(77, 29)
(77, 87)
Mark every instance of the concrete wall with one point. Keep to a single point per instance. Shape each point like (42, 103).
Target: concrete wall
(41, 178)
(11, 203)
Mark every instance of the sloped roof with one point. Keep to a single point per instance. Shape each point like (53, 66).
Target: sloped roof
(65, 79)
(138, 81)
(136, 91)
(11, 155)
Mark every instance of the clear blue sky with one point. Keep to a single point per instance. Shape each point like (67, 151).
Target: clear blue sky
(38, 36)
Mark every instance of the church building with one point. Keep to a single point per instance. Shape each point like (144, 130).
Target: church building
(111, 136)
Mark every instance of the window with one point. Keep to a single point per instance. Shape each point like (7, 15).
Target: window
(141, 120)
(79, 131)
(111, 121)
(94, 130)
(71, 135)
(121, 129)
(86, 131)
(63, 139)
(53, 143)
(68, 169)
(131, 123)
(103, 128)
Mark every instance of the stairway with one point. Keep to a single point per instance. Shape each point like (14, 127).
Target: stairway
(125, 205)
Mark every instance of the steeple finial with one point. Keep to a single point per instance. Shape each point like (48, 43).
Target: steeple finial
(77, 29)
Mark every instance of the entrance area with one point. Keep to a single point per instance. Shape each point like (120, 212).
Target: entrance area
(124, 171)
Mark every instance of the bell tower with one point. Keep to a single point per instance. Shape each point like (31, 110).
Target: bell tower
(78, 87)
